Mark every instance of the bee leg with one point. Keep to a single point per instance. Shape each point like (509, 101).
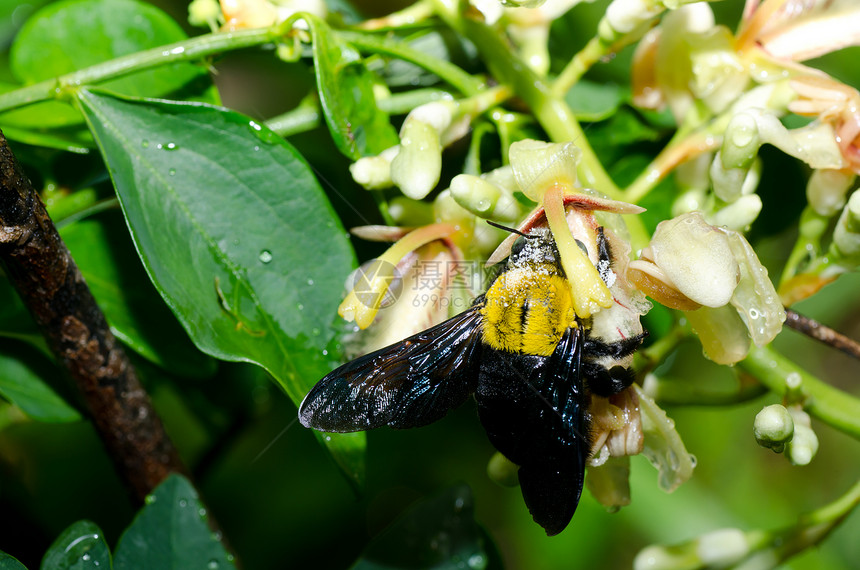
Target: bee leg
(603, 253)
(606, 382)
(617, 349)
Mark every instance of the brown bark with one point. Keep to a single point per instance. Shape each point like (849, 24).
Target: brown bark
(822, 333)
(46, 277)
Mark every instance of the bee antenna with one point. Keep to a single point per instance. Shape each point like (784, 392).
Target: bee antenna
(512, 230)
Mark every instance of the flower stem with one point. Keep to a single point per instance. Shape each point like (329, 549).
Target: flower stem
(192, 49)
(834, 407)
(464, 82)
(581, 62)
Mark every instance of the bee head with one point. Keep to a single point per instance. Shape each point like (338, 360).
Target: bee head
(535, 247)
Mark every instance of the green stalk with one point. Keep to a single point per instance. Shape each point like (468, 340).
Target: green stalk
(192, 49)
(812, 227)
(464, 82)
(593, 51)
(834, 407)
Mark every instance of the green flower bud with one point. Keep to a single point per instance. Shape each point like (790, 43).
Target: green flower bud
(204, 13)
(503, 471)
(374, 172)
(827, 188)
(416, 168)
(773, 427)
(624, 16)
(846, 236)
(739, 214)
(804, 445)
(718, 549)
(407, 212)
(740, 143)
(722, 548)
(475, 194)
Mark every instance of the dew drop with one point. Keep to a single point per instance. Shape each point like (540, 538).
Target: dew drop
(170, 146)
(213, 565)
(300, 307)
(310, 281)
(150, 499)
(266, 256)
(201, 511)
(183, 503)
(328, 438)
(315, 331)
(86, 557)
(171, 172)
(144, 143)
(325, 352)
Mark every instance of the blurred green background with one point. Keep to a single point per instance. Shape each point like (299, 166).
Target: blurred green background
(283, 503)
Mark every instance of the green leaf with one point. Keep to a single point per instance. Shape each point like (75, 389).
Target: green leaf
(439, 533)
(138, 317)
(15, 320)
(235, 233)
(345, 87)
(8, 562)
(72, 34)
(591, 101)
(25, 380)
(170, 531)
(82, 546)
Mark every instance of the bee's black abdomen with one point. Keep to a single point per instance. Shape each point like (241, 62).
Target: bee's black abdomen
(533, 409)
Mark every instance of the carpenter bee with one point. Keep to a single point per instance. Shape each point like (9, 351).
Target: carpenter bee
(529, 360)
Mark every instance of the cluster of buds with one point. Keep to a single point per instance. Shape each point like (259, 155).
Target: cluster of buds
(414, 165)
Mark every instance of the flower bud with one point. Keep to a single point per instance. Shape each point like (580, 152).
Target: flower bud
(739, 214)
(740, 142)
(503, 471)
(717, 549)
(407, 212)
(722, 548)
(416, 168)
(827, 188)
(773, 427)
(475, 194)
(624, 16)
(204, 13)
(804, 445)
(374, 172)
(846, 236)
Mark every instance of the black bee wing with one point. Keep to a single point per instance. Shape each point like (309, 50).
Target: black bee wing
(533, 409)
(408, 384)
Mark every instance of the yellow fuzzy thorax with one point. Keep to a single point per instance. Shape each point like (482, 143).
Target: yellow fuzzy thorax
(527, 310)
